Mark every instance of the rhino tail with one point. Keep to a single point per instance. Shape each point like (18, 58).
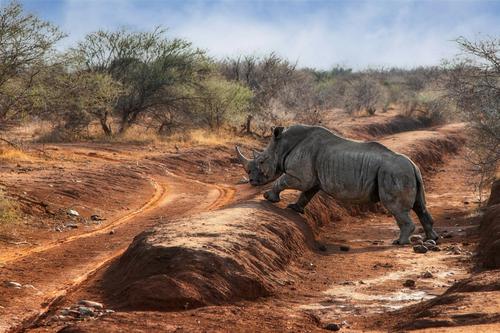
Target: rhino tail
(420, 207)
(420, 197)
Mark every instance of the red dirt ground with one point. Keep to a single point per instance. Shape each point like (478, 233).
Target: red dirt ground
(297, 266)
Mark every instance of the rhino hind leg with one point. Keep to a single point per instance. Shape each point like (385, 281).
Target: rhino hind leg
(397, 191)
(425, 219)
(406, 228)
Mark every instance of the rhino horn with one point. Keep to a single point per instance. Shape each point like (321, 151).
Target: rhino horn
(244, 161)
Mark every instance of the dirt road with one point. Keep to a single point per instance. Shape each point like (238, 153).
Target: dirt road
(325, 285)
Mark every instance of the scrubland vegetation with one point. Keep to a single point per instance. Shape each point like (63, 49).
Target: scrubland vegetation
(112, 81)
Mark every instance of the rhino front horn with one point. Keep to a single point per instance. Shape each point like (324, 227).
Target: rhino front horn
(244, 161)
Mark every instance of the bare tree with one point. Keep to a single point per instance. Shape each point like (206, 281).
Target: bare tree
(473, 84)
(363, 94)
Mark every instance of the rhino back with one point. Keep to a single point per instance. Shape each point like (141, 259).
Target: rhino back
(348, 170)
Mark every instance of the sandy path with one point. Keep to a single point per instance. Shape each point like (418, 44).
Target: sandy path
(53, 269)
(329, 286)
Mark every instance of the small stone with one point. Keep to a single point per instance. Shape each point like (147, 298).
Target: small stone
(434, 248)
(96, 217)
(416, 239)
(71, 225)
(90, 304)
(72, 212)
(322, 248)
(448, 235)
(427, 275)
(466, 202)
(345, 248)
(86, 311)
(430, 242)
(109, 311)
(243, 180)
(409, 283)
(332, 327)
(112, 232)
(420, 249)
(13, 284)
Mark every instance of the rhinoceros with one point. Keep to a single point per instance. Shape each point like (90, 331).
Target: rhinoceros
(312, 158)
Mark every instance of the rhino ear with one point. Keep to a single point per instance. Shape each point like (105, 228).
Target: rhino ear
(277, 131)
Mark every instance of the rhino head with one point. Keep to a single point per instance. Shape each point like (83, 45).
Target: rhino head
(264, 167)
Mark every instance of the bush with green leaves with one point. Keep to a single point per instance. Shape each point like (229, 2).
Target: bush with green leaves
(223, 102)
(26, 43)
(72, 100)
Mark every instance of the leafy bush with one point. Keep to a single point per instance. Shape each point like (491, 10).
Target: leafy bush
(223, 102)
(25, 46)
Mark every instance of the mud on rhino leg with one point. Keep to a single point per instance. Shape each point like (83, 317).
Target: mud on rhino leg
(303, 200)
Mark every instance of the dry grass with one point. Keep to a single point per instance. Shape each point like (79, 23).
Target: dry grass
(205, 137)
(13, 154)
(185, 138)
(9, 212)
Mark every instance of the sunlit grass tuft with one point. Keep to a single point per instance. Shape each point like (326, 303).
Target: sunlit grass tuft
(9, 212)
(13, 154)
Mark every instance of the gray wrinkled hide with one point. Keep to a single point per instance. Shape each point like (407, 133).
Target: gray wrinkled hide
(312, 158)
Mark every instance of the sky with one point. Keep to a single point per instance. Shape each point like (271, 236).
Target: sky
(319, 34)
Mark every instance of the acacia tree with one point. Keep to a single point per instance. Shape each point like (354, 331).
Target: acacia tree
(473, 83)
(25, 44)
(147, 64)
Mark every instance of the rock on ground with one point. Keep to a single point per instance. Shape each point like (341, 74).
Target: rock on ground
(217, 257)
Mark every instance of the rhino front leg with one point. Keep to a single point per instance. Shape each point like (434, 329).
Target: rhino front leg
(303, 200)
(282, 183)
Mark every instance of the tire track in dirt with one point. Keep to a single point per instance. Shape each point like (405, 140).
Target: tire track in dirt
(215, 197)
(159, 194)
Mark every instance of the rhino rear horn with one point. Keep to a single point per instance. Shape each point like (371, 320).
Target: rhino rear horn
(244, 161)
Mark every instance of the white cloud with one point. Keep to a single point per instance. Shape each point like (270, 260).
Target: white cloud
(359, 35)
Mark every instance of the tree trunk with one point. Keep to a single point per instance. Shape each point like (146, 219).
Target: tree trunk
(249, 124)
(106, 128)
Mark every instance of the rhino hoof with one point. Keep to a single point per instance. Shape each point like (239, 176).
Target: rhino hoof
(432, 236)
(271, 196)
(296, 208)
(399, 242)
